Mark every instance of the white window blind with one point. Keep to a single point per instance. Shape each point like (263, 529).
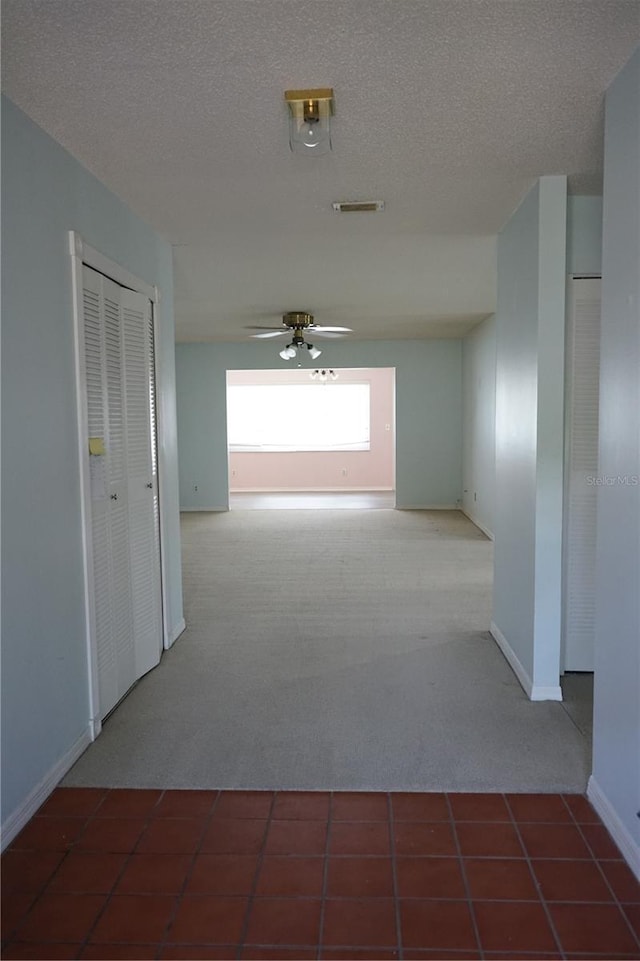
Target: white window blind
(298, 417)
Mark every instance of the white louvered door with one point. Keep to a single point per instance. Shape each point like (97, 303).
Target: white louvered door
(100, 479)
(124, 508)
(142, 476)
(581, 473)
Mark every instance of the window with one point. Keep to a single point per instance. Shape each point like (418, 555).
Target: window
(298, 417)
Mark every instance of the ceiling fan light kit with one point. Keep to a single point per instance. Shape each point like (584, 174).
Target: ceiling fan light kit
(323, 375)
(299, 343)
(296, 322)
(310, 113)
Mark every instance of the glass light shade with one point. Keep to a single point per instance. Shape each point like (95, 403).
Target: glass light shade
(314, 352)
(323, 375)
(309, 135)
(310, 119)
(288, 353)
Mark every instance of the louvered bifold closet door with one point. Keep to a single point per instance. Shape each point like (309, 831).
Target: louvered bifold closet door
(124, 489)
(112, 596)
(581, 473)
(142, 473)
(98, 428)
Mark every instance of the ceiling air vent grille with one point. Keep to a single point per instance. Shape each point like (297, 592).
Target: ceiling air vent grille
(357, 206)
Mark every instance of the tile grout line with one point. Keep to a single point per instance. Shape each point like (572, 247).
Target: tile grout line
(543, 900)
(178, 898)
(65, 854)
(350, 897)
(465, 880)
(616, 900)
(108, 895)
(251, 895)
(394, 874)
(128, 854)
(325, 877)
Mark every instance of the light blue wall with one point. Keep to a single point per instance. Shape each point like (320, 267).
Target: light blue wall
(584, 256)
(46, 193)
(428, 414)
(529, 433)
(584, 235)
(552, 287)
(516, 371)
(479, 424)
(616, 742)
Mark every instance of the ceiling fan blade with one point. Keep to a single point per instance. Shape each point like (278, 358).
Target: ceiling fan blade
(334, 330)
(265, 327)
(325, 334)
(270, 333)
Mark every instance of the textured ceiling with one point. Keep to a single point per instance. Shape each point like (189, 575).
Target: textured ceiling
(447, 110)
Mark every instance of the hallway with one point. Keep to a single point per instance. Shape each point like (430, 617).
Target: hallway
(395, 795)
(337, 650)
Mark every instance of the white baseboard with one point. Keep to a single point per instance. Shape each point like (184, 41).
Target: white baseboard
(184, 510)
(22, 814)
(306, 490)
(535, 692)
(628, 846)
(551, 692)
(176, 632)
(427, 507)
(474, 520)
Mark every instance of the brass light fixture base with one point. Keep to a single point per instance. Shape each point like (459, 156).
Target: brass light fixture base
(310, 104)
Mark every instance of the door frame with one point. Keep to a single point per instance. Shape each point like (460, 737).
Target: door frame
(82, 254)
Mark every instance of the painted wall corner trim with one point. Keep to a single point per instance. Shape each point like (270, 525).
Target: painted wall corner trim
(629, 847)
(512, 659)
(173, 636)
(22, 814)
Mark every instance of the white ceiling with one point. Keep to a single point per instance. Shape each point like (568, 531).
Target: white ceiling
(448, 110)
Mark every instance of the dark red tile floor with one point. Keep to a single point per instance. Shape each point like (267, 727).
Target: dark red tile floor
(241, 874)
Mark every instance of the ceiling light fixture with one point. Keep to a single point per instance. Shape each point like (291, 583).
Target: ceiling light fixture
(288, 353)
(310, 120)
(298, 343)
(323, 375)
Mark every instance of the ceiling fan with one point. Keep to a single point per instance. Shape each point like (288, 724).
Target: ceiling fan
(296, 323)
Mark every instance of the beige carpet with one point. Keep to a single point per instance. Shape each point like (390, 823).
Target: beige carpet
(336, 649)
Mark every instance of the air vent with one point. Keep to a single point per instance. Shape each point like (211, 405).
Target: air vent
(357, 206)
